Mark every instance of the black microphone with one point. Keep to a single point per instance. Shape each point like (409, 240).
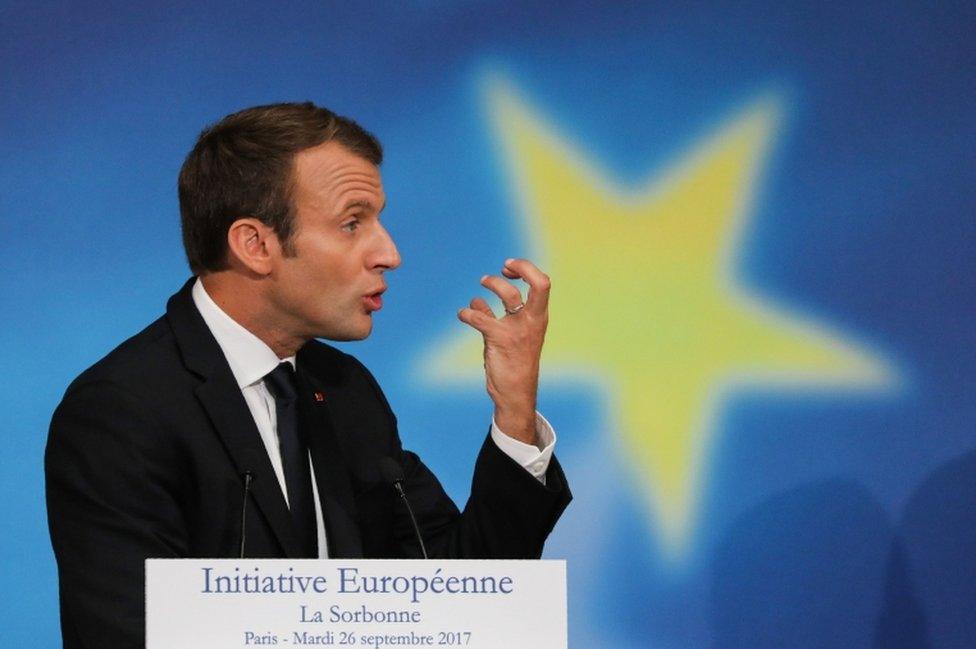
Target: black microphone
(250, 459)
(392, 472)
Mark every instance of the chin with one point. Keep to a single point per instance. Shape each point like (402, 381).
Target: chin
(351, 334)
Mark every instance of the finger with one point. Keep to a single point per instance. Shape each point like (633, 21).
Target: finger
(510, 296)
(477, 320)
(539, 283)
(479, 304)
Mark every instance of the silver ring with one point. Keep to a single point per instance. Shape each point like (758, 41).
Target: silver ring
(515, 309)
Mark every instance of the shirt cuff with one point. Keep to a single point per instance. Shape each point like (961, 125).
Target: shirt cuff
(525, 455)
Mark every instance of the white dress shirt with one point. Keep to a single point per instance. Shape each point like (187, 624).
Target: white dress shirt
(250, 360)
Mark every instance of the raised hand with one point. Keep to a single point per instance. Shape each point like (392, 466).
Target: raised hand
(513, 344)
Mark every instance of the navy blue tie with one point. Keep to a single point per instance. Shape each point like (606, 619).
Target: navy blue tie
(294, 456)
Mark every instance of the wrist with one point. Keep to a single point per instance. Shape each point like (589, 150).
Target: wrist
(518, 423)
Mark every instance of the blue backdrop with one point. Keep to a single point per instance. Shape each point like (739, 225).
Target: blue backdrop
(759, 222)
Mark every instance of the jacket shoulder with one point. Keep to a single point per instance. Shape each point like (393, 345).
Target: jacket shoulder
(151, 354)
(339, 370)
(330, 364)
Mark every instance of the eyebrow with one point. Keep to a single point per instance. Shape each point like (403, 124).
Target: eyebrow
(360, 202)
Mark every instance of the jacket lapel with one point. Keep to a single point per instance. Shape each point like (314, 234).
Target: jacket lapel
(331, 472)
(222, 399)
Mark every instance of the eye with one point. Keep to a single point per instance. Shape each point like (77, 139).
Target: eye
(351, 225)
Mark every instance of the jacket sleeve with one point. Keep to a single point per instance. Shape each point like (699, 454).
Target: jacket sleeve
(112, 500)
(508, 515)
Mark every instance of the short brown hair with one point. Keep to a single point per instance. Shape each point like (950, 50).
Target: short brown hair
(242, 166)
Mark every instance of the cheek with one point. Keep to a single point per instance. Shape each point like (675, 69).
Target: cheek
(326, 273)
(341, 273)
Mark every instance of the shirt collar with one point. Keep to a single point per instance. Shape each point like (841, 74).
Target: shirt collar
(250, 359)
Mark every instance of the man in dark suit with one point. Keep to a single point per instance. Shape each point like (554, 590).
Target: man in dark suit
(224, 429)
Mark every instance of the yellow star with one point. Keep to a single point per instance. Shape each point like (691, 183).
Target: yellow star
(645, 303)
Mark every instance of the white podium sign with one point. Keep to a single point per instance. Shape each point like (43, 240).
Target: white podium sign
(241, 603)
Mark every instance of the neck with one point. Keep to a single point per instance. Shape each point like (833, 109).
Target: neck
(242, 299)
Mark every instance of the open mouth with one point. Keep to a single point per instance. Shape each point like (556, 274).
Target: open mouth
(374, 301)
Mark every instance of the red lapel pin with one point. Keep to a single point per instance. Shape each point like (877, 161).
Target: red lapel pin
(320, 397)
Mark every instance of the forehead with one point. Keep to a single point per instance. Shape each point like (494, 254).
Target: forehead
(329, 176)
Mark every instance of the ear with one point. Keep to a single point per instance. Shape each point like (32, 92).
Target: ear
(252, 244)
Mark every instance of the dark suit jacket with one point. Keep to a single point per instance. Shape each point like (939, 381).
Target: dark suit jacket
(147, 451)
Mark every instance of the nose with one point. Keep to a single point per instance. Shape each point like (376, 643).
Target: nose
(386, 257)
